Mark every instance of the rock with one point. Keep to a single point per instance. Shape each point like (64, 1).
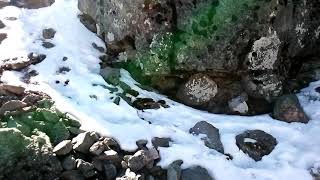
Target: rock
(69, 163)
(110, 171)
(31, 98)
(4, 3)
(88, 22)
(111, 143)
(63, 148)
(12, 106)
(198, 90)
(2, 25)
(100, 49)
(239, 105)
(47, 45)
(111, 155)
(195, 173)
(32, 4)
(212, 139)
(97, 148)
(317, 89)
(24, 62)
(72, 175)
(23, 156)
(129, 175)
(174, 170)
(3, 36)
(142, 144)
(145, 103)
(84, 141)
(256, 143)
(139, 160)
(160, 142)
(48, 33)
(17, 90)
(87, 169)
(288, 109)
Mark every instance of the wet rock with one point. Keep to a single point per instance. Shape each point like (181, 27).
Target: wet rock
(145, 103)
(31, 4)
(212, 139)
(69, 163)
(63, 148)
(3, 36)
(2, 25)
(287, 108)
(48, 33)
(72, 175)
(48, 45)
(256, 143)
(160, 142)
(110, 171)
(12, 106)
(87, 169)
(195, 173)
(84, 141)
(174, 170)
(199, 89)
(88, 22)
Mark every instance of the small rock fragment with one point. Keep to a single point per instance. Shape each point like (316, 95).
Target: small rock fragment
(48, 33)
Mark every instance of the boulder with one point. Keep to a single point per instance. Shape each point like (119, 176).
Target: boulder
(84, 141)
(256, 143)
(63, 148)
(86, 168)
(12, 106)
(139, 160)
(288, 109)
(174, 170)
(48, 33)
(110, 171)
(197, 172)
(88, 22)
(262, 52)
(212, 139)
(160, 142)
(72, 175)
(69, 163)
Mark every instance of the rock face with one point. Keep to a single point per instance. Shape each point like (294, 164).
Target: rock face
(257, 48)
(287, 108)
(212, 139)
(256, 143)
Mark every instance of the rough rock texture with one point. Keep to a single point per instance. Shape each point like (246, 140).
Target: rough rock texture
(287, 108)
(212, 139)
(256, 143)
(260, 48)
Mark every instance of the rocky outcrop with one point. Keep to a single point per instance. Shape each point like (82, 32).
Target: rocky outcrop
(253, 49)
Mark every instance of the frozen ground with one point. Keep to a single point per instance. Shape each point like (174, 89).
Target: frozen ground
(298, 146)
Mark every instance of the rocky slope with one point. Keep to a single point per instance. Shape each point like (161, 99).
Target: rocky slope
(252, 51)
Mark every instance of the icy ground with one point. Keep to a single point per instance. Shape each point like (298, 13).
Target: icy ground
(298, 146)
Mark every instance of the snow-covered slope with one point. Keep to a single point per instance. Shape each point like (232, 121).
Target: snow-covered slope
(298, 146)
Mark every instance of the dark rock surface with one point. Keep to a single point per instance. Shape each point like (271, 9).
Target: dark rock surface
(212, 139)
(287, 108)
(256, 143)
(195, 173)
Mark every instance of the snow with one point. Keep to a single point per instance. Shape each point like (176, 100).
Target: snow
(298, 144)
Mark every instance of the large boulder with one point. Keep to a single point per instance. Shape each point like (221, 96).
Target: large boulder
(257, 48)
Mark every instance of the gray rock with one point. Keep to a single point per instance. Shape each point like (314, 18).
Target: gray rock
(87, 169)
(17, 90)
(69, 163)
(212, 139)
(239, 104)
(23, 62)
(4, 3)
(129, 175)
(287, 108)
(97, 148)
(31, 99)
(2, 25)
(160, 142)
(110, 171)
(256, 143)
(31, 4)
(195, 173)
(48, 45)
(3, 36)
(84, 141)
(100, 49)
(142, 143)
(63, 148)
(88, 22)
(198, 90)
(139, 160)
(174, 170)
(12, 106)
(48, 33)
(72, 175)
